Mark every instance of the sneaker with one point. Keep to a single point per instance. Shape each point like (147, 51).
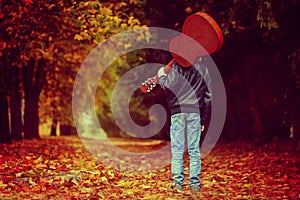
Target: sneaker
(178, 187)
(195, 188)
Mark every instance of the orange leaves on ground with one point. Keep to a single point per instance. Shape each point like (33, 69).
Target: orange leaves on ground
(27, 2)
(61, 168)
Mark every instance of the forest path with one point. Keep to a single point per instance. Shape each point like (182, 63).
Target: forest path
(61, 168)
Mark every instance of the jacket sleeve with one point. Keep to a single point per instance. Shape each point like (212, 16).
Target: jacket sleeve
(206, 112)
(169, 81)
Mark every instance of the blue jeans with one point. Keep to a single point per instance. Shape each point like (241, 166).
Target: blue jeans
(191, 123)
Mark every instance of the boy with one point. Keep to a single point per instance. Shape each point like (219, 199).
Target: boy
(189, 97)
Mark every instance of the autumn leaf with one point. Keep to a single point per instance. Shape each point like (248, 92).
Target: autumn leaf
(27, 2)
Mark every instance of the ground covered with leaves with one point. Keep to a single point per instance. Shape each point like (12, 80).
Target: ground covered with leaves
(61, 168)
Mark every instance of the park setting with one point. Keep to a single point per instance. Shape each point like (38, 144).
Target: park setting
(92, 94)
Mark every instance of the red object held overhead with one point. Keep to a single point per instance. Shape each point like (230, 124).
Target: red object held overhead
(200, 36)
(204, 30)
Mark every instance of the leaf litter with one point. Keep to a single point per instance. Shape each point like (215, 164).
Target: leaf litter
(61, 168)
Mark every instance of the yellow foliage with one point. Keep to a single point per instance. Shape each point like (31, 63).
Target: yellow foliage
(99, 21)
(78, 37)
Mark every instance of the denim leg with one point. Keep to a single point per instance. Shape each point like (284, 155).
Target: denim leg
(177, 131)
(193, 137)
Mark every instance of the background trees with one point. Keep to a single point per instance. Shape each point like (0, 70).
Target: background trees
(43, 44)
(29, 30)
(258, 61)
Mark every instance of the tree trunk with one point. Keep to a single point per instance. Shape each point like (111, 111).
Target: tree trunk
(5, 136)
(4, 121)
(29, 124)
(67, 130)
(54, 127)
(15, 105)
(33, 83)
(31, 119)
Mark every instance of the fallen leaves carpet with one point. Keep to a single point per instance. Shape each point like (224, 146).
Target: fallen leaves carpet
(61, 168)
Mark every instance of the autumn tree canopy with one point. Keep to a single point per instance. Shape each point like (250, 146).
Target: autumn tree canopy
(43, 44)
